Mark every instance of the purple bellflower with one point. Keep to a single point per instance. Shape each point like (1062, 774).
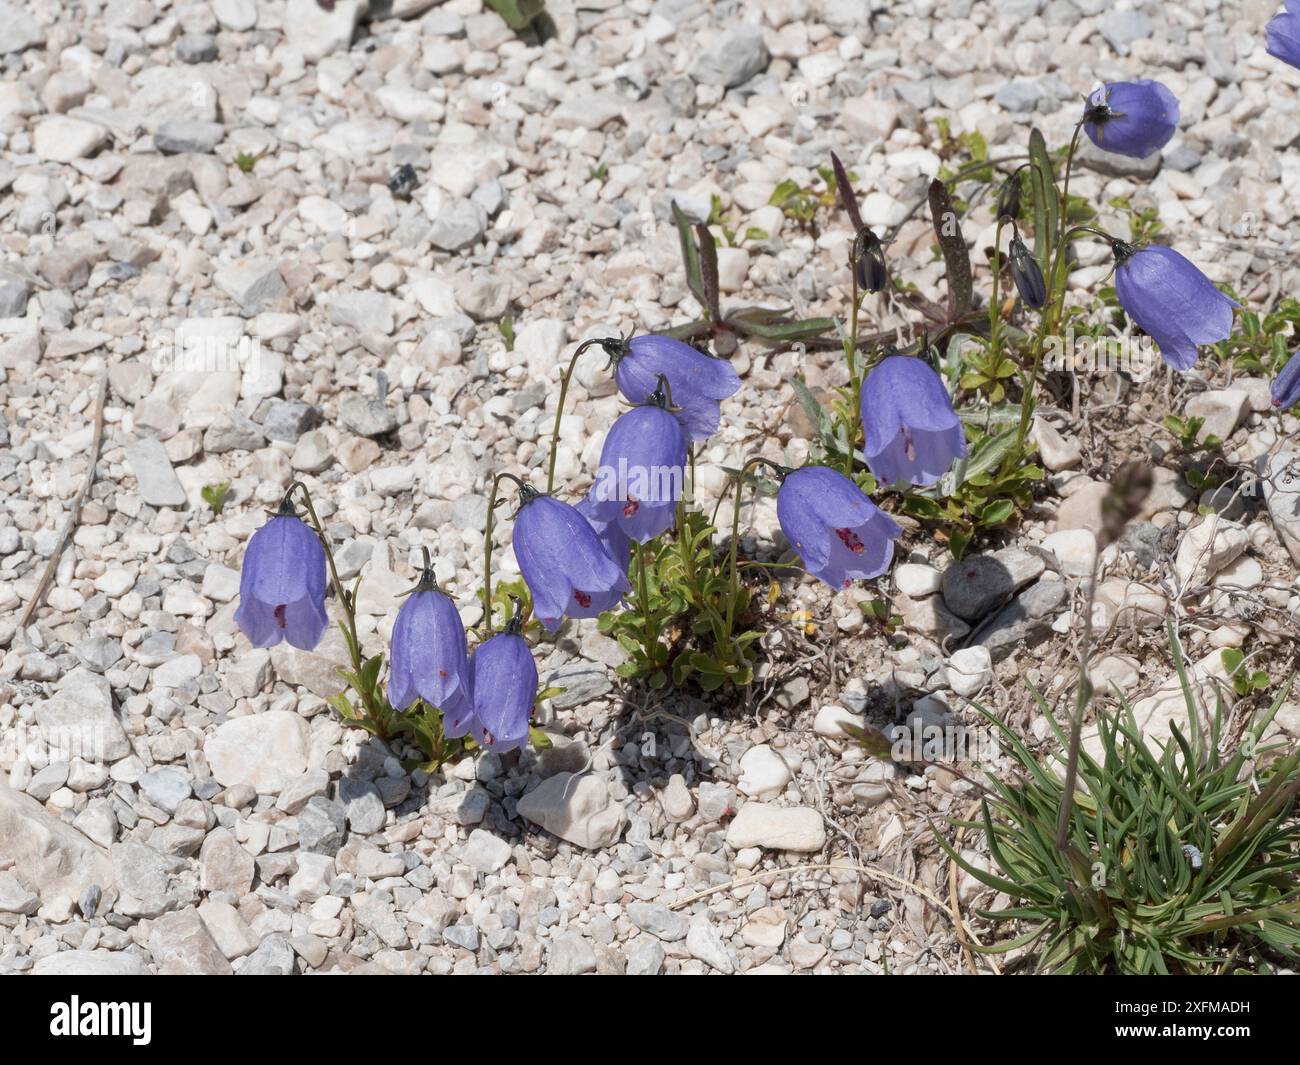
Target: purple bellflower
(563, 562)
(1282, 36)
(642, 467)
(911, 432)
(428, 652)
(839, 533)
(1286, 385)
(504, 689)
(1176, 304)
(698, 382)
(282, 584)
(1133, 118)
(1027, 274)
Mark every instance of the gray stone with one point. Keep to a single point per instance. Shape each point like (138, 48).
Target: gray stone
(233, 432)
(366, 417)
(459, 224)
(251, 282)
(287, 420)
(1122, 27)
(21, 30)
(99, 653)
(321, 826)
(13, 298)
(78, 721)
(362, 805)
(146, 877)
(273, 957)
(646, 960)
(196, 48)
(739, 56)
(658, 920)
(704, 943)
(582, 683)
(1025, 621)
(366, 312)
(461, 935)
(90, 963)
(975, 585)
(166, 787)
(485, 852)
(1019, 96)
(267, 751)
(175, 137)
(158, 484)
(575, 808)
(1280, 478)
(224, 865)
(15, 897)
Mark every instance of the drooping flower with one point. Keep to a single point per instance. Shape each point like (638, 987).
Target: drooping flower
(1027, 275)
(428, 653)
(282, 584)
(1282, 36)
(839, 533)
(566, 567)
(912, 434)
(611, 534)
(1008, 206)
(1133, 118)
(1286, 385)
(642, 468)
(698, 382)
(504, 688)
(1176, 304)
(867, 255)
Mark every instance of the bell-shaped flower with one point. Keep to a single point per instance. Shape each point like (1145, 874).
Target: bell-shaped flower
(1027, 275)
(566, 567)
(839, 533)
(1286, 385)
(282, 584)
(504, 689)
(911, 433)
(1282, 35)
(698, 382)
(1176, 304)
(1133, 118)
(611, 534)
(642, 469)
(428, 654)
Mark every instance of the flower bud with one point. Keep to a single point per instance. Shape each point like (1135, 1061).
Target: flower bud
(1027, 275)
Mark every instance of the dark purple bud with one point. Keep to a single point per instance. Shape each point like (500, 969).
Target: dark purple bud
(504, 688)
(1176, 304)
(1133, 118)
(839, 533)
(911, 433)
(698, 382)
(1009, 198)
(282, 585)
(642, 469)
(1026, 274)
(1282, 36)
(428, 654)
(1286, 385)
(869, 261)
(566, 567)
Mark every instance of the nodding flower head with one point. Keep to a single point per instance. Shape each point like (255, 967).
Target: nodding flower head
(282, 584)
(1282, 36)
(428, 654)
(642, 468)
(698, 382)
(563, 562)
(1026, 274)
(504, 687)
(838, 532)
(911, 433)
(1176, 304)
(1009, 198)
(1133, 118)
(610, 533)
(1286, 385)
(869, 261)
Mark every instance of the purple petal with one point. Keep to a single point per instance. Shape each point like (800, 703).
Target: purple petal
(1145, 117)
(505, 687)
(1173, 302)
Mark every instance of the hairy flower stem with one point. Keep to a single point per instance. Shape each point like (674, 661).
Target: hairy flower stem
(493, 503)
(1082, 697)
(651, 638)
(733, 576)
(1049, 322)
(375, 713)
(559, 411)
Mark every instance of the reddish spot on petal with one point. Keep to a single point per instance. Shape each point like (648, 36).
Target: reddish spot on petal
(850, 540)
(630, 507)
(442, 672)
(584, 600)
(279, 615)
(909, 448)
(487, 738)
(848, 583)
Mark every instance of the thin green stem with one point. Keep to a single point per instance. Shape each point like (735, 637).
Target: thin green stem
(855, 385)
(995, 310)
(1083, 696)
(487, 544)
(559, 411)
(733, 578)
(643, 599)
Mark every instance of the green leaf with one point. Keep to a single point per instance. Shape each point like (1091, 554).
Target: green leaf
(539, 740)
(690, 255)
(1046, 200)
(215, 495)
